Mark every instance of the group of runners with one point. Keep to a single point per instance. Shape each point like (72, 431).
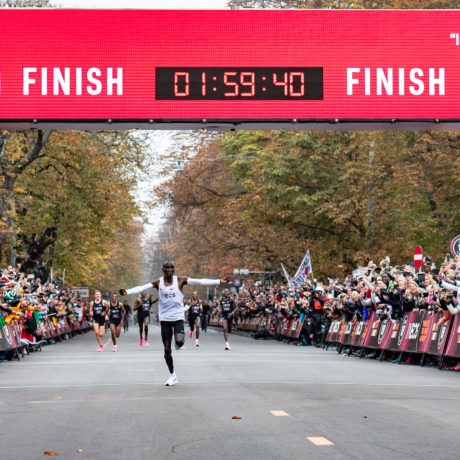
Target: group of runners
(171, 313)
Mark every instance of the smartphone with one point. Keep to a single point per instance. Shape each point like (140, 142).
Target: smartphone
(447, 256)
(421, 277)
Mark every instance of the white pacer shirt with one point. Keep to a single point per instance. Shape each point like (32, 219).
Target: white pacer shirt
(170, 301)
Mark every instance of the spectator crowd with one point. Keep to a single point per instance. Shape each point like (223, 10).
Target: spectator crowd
(25, 300)
(390, 291)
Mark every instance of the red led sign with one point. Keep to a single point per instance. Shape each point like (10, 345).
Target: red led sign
(229, 65)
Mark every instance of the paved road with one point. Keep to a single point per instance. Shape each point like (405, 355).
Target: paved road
(114, 405)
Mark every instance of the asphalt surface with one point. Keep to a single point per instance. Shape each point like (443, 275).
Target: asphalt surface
(108, 405)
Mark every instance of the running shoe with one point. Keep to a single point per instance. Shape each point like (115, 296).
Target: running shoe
(101, 348)
(457, 368)
(177, 347)
(197, 343)
(115, 348)
(227, 346)
(146, 343)
(140, 342)
(171, 381)
(190, 334)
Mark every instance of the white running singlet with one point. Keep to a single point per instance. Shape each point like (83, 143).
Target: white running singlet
(170, 301)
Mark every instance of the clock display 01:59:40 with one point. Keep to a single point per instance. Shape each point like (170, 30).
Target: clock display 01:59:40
(222, 83)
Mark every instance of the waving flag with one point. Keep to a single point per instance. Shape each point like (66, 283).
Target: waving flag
(304, 271)
(302, 274)
(286, 275)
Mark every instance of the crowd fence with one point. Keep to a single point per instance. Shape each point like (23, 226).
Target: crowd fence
(16, 341)
(417, 332)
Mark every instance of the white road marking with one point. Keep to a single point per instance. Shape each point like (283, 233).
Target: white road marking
(236, 382)
(320, 441)
(279, 413)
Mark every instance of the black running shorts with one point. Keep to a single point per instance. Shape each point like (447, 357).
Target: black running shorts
(167, 328)
(140, 318)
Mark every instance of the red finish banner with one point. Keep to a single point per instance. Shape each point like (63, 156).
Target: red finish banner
(229, 65)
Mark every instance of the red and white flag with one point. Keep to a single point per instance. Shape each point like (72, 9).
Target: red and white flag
(304, 271)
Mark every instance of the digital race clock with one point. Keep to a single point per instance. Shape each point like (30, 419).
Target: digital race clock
(230, 83)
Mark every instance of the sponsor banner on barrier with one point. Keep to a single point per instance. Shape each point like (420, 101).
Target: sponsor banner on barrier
(52, 327)
(388, 334)
(357, 333)
(429, 321)
(43, 329)
(453, 345)
(6, 339)
(370, 340)
(366, 330)
(394, 338)
(213, 321)
(16, 339)
(345, 333)
(409, 333)
(295, 328)
(335, 330)
(283, 327)
(330, 332)
(438, 337)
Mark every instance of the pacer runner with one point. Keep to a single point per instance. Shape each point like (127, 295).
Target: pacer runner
(143, 307)
(171, 309)
(227, 305)
(116, 317)
(98, 309)
(194, 317)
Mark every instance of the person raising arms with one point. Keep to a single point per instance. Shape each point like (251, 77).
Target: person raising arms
(171, 309)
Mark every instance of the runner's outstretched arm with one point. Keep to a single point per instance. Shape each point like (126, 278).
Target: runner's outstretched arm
(136, 289)
(204, 281)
